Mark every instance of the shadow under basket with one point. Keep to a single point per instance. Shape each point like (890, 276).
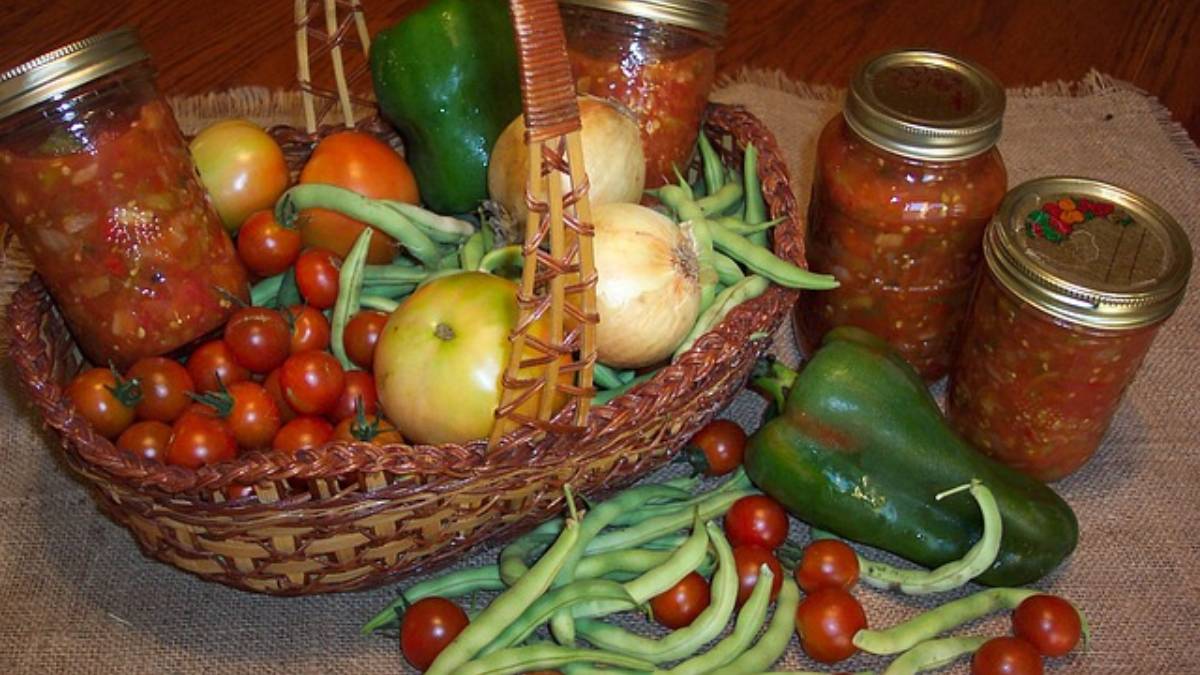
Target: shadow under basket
(348, 516)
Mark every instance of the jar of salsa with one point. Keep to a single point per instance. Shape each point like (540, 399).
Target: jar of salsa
(906, 180)
(656, 57)
(97, 183)
(1080, 276)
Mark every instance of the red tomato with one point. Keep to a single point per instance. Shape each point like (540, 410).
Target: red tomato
(1049, 623)
(200, 439)
(311, 382)
(164, 384)
(717, 448)
(826, 622)
(252, 415)
(428, 626)
(105, 401)
(310, 329)
(749, 560)
(148, 440)
(362, 163)
(368, 429)
(361, 335)
(265, 246)
(302, 433)
(242, 168)
(259, 338)
(212, 365)
(756, 520)
(679, 605)
(271, 384)
(359, 386)
(238, 491)
(827, 563)
(1007, 656)
(317, 277)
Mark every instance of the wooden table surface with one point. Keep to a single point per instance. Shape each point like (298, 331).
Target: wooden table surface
(208, 45)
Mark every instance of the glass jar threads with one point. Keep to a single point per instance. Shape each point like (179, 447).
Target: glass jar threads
(906, 180)
(1080, 275)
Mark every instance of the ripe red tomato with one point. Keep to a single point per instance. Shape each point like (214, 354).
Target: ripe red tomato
(361, 335)
(718, 447)
(271, 384)
(265, 246)
(199, 439)
(317, 277)
(1007, 656)
(242, 168)
(749, 560)
(310, 329)
(428, 626)
(212, 365)
(148, 439)
(259, 338)
(302, 433)
(253, 416)
(368, 429)
(756, 520)
(360, 162)
(238, 491)
(827, 563)
(679, 605)
(165, 384)
(826, 622)
(311, 382)
(106, 402)
(359, 386)
(1049, 623)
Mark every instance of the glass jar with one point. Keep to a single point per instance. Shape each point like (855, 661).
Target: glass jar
(658, 58)
(905, 182)
(1080, 276)
(96, 180)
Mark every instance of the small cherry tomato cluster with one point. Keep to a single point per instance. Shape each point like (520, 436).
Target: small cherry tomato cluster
(1043, 625)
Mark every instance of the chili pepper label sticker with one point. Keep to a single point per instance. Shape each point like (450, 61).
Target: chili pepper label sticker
(1055, 220)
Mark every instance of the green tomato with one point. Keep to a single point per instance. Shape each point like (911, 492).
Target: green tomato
(242, 168)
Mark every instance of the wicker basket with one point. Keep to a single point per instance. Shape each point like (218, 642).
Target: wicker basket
(349, 515)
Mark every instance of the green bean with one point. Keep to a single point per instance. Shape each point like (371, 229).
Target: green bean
(679, 202)
(714, 170)
(774, 641)
(289, 292)
(749, 621)
(471, 253)
(452, 585)
(607, 395)
(508, 605)
(377, 213)
(934, 654)
(756, 210)
(442, 229)
(720, 201)
(505, 256)
(736, 481)
(393, 274)
(682, 183)
(702, 243)
(543, 656)
(560, 600)
(390, 291)
(512, 557)
(746, 230)
(932, 623)
(349, 289)
(747, 289)
(378, 302)
(264, 293)
(649, 530)
(606, 377)
(728, 271)
(761, 261)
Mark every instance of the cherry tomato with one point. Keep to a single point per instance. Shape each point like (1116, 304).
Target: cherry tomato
(310, 329)
(717, 448)
(253, 416)
(826, 622)
(271, 384)
(1007, 656)
(1049, 623)
(148, 439)
(259, 338)
(164, 384)
(359, 387)
(199, 439)
(756, 520)
(213, 364)
(317, 277)
(265, 246)
(238, 491)
(361, 335)
(242, 168)
(749, 559)
(311, 382)
(679, 605)
(827, 563)
(104, 400)
(368, 429)
(362, 163)
(428, 626)
(302, 433)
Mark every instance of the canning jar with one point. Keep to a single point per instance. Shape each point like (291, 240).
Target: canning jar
(96, 180)
(1080, 276)
(656, 57)
(906, 180)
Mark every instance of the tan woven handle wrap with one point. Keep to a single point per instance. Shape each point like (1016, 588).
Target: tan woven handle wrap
(558, 285)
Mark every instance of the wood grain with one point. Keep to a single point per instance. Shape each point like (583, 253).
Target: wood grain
(217, 44)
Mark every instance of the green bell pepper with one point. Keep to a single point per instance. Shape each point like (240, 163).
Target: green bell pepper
(861, 448)
(446, 77)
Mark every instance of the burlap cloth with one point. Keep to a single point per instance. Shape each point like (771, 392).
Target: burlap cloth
(76, 596)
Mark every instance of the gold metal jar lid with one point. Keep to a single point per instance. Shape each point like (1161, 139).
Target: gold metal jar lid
(67, 67)
(709, 16)
(1089, 252)
(926, 105)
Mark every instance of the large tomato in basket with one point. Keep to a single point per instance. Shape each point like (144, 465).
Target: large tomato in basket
(441, 355)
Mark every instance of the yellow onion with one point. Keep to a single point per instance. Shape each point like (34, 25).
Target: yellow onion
(648, 290)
